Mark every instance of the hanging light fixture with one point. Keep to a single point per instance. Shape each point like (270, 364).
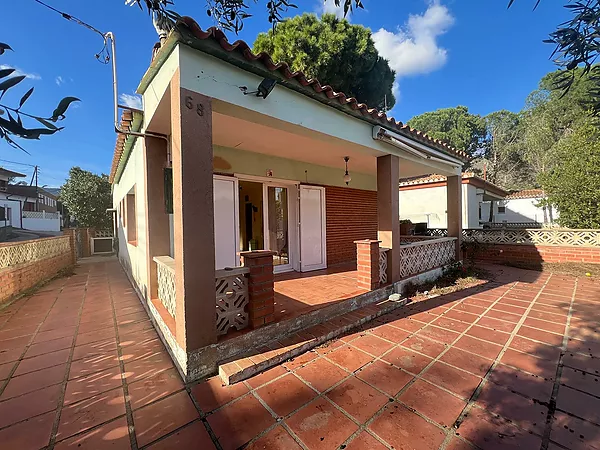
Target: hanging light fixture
(347, 177)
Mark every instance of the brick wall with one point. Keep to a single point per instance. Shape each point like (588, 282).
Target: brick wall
(351, 216)
(16, 279)
(535, 254)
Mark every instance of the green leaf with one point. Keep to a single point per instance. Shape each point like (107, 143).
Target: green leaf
(6, 72)
(25, 97)
(13, 127)
(46, 123)
(60, 110)
(35, 133)
(4, 47)
(7, 84)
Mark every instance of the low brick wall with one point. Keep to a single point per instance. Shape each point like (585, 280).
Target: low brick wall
(27, 263)
(534, 254)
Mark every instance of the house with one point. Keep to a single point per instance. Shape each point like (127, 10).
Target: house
(245, 193)
(522, 208)
(10, 207)
(423, 199)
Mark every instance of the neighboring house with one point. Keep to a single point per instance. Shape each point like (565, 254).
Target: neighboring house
(46, 201)
(10, 205)
(423, 199)
(247, 155)
(31, 208)
(520, 207)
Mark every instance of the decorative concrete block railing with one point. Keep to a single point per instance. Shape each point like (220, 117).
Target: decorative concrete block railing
(165, 272)
(551, 236)
(232, 299)
(31, 251)
(40, 215)
(103, 233)
(512, 225)
(383, 263)
(422, 256)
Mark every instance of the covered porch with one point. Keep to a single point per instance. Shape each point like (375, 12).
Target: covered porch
(264, 210)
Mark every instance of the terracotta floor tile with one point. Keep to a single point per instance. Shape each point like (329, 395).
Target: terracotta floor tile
(404, 430)
(266, 376)
(112, 435)
(286, 394)
(581, 380)
(579, 404)
(91, 412)
(467, 361)
(496, 324)
(481, 348)
(31, 434)
(582, 362)
(45, 336)
(455, 380)
(155, 420)
(91, 385)
(458, 444)
(349, 358)
(43, 361)
(94, 348)
(372, 344)
(530, 385)
(390, 333)
(558, 328)
(5, 370)
(211, 394)
(10, 355)
(438, 334)
(461, 316)
(384, 376)
(364, 441)
(487, 334)
(29, 405)
(238, 423)
(407, 359)
(358, 399)
(492, 433)
(95, 336)
(193, 437)
(529, 363)
(521, 411)
(321, 374)
(574, 433)
(425, 346)
(426, 399)
(539, 335)
(96, 363)
(50, 346)
(450, 324)
(276, 439)
(300, 360)
(408, 324)
(145, 367)
(503, 315)
(32, 381)
(143, 350)
(545, 351)
(320, 425)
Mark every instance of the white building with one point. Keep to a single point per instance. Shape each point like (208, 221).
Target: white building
(423, 200)
(521, 207)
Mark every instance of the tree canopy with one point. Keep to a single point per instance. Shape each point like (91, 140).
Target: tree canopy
(87, 196)
(336, 53)
(456, 126)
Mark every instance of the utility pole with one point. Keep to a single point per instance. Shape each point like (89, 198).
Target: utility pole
(37, 194)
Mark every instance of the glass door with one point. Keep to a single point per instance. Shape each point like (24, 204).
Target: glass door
(277, 226)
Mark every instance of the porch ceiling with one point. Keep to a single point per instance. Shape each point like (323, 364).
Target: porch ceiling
(309, 147)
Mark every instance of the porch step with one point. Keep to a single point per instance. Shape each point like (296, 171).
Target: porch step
(267, 356)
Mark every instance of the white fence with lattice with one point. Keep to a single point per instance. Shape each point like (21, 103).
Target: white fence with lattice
(562, 237)
(31, 251)
(103, 233)
(41, 215)
(165, 271)
(422, 256)
(232, 299)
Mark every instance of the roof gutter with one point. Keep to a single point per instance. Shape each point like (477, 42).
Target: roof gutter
(403, 143)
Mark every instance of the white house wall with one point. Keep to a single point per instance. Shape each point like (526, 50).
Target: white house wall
(518, 210)
(133, 257)
(429, 205)
(15, 211)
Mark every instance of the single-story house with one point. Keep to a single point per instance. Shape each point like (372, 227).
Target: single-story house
(423, 199)
(244, 194)
(10, 205)
(520, 208)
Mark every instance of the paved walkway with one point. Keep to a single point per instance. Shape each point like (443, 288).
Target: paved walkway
(83, 368)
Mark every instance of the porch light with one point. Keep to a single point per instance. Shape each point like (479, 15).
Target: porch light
(264, 88)
(347, 177)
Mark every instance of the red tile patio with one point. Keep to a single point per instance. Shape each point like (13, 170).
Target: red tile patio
(512, 364)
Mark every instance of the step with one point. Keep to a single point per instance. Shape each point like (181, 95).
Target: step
(267, 356)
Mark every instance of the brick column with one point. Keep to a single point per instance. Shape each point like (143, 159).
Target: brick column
(261, 293)
(367, 261)
(193, 217)
(454, 211)
(388, 213)
(71, 233)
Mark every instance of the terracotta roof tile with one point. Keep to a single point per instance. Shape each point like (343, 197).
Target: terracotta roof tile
(527, 193)
(126, 119)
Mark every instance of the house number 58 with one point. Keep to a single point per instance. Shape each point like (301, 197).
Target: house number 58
(189, 103)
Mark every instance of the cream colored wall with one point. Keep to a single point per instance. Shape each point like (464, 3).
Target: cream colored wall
(133, 257)
(419, 204)
(230, 160)
(159, 85)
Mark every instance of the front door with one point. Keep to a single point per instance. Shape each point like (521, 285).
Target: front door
(278, 225)
(313, 252)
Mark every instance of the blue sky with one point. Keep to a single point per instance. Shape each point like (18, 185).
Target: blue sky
(446, 53)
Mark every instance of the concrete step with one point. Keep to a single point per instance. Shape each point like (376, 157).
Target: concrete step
(264, 357)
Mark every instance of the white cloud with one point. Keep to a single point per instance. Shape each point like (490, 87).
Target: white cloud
(19, 72)
(59, 80)
(328, 7)
(132, 101)
(414, 49)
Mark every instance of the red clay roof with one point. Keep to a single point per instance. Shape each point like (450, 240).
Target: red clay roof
(433, 178)
(527, 193)
(283, 68)
(126, 119)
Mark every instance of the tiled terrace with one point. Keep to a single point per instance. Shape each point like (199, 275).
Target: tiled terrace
(489, 367)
